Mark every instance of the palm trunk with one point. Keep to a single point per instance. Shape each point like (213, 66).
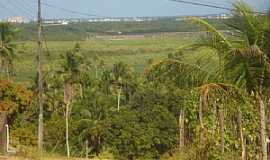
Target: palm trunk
(262, 104)
(181, 129)
(242, 138)
(201, 119)
(86, 149)
(96, 70)
(7, 142)
(222, 131)
(81, 90)
(119, 99)
(99, 144)
(7, 72)
(67, 130)
(68, 96)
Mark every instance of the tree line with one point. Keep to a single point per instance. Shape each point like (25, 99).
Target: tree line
(83, 30)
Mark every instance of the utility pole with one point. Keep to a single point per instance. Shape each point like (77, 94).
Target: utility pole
(40, 81)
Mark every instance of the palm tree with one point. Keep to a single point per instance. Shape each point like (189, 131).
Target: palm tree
(121, 74)
(70, 74)
(93, 120)
(246, 64)
(98, 64)
(186, 77)
(7, 48)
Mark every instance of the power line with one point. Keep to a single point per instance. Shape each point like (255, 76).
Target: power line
(11, 8)
(28, 5)
(203, 4)
(212, 3)
(8, 10)
(72, 11)
(209, 5)
(21, 8)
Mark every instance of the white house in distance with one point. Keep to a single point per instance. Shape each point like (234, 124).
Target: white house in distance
(17, 19)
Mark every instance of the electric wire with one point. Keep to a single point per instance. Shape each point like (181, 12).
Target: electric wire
(22, 9)
(7, 9)
(210, 6)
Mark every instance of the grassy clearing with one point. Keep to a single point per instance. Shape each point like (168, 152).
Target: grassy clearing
(136, 53)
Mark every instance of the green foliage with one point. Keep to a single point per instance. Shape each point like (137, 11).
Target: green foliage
(144, 134)
(201, 99)
(92, 121)
(7, 48)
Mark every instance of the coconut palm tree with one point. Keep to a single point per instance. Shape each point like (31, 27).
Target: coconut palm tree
(245, 64)
(186, 77)
(121, 74)
(7, 48)
(70, 75)
(93, 123)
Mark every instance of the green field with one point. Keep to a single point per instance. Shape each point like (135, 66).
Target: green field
(134, 52)
(160, 39)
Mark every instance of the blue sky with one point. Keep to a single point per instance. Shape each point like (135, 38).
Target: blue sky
(117, 8)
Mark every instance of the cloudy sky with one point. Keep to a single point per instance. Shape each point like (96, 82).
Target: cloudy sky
(116, 8)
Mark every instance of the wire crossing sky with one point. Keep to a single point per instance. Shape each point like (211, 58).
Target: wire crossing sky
(116, 8)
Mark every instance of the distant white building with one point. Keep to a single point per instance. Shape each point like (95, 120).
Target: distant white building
(17, 19)
(65, 23)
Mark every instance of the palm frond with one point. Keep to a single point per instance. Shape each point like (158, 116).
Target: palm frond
(218, 40)
(183, 75)
(206, 90)
(252, 52)
(222, 91)
(248, 67)
(248, 23)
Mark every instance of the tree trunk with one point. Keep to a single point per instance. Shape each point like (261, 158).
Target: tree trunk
(201, 119)
(242, 138)
(68, 96)
(262, 104)
(7, 142)
(67, 130)
(86, 149)
(7, 71)
(99, 144)
(96, 70)
(181, 129)
(119, 98)
(81, 90)
(222, 131)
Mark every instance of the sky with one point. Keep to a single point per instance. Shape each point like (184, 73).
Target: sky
(116, 8)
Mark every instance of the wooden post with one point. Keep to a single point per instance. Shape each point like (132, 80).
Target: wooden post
(40, 81)
(7, 136)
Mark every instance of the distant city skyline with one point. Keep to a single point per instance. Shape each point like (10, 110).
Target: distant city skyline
(116, 8)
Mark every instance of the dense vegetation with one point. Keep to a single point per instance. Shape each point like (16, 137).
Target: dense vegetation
(204, 100)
